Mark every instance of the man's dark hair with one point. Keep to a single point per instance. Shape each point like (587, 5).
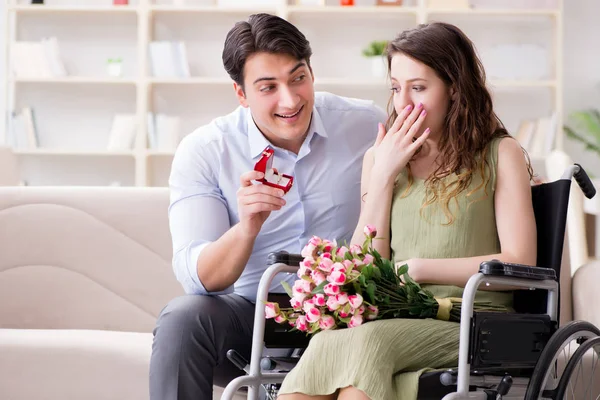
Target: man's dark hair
(262, 33)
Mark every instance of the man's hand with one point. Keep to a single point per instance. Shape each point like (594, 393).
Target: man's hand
(255, 203)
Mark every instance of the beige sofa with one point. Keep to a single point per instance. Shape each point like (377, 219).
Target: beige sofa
(84, 272)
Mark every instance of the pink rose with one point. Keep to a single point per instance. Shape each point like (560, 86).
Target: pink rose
(326, 255)
(368, 259)
(302, 271)
(271, 310)
(345, 311)
(337, 278)
(309, 250)
(301, 323)
(298, 287)
(307, 286)
(327, 247)
(348, 264)
(332, 304)
(315, 241)
(370, 231)
(355, 300)
(296, 304)
(313, 315)
(341, 298)
(326, 322)
(317, 277)
(300, 296)
(319, 300)
(331, 289)
(325, 264)
(372, 312)
(357, 262)
(355, 321)
(338, 267)
(356, 249)
(360, 310)
(342, 251)
(308, 304)
(280, 319)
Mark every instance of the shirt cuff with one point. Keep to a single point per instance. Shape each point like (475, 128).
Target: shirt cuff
(186, 270)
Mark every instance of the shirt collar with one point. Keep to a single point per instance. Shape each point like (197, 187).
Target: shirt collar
(258, 141)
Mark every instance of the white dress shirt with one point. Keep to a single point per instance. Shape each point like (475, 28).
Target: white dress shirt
(324, 199)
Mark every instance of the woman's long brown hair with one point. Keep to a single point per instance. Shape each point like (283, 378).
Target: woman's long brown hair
(470, 124)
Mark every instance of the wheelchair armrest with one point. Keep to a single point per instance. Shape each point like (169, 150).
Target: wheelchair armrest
(284, 257)
(499, 268)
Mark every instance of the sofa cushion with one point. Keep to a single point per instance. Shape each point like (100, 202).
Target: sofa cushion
(46, 364)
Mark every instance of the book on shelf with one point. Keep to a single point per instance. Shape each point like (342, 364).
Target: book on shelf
(164, 132)
(23, 134)
(122, 132)
(168, 59)
(537, 136)
(37, 59)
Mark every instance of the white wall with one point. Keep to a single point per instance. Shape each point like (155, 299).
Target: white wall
(2, 70)
(582, 69)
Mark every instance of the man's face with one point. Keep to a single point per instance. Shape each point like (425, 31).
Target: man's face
(279, 91)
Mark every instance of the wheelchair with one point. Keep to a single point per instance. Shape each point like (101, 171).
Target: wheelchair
(521, 355)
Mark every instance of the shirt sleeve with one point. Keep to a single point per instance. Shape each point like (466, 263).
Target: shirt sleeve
(197, 211)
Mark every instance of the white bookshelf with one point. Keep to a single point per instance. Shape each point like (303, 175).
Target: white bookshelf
(74, 113)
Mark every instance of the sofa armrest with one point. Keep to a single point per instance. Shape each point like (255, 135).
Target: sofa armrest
(586, 296)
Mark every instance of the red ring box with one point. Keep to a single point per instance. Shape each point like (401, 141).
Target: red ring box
(272, 177)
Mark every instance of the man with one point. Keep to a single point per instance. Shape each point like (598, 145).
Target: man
(224, 222)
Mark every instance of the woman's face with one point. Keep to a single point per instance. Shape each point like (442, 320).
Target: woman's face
(414, 82)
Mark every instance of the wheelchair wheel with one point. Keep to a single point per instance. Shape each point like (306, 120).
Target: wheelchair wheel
(577, 382)
(554, 357)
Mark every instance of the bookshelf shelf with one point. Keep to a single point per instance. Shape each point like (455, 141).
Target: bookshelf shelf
(78, 80)
(74, 153)
(77, 115)
(158, 9)
(495, 12)
(328, 10)
(44, 9)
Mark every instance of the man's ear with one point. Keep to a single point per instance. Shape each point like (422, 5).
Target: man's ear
(240, 94)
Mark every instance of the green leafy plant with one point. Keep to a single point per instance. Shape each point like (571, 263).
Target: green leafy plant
(375, 48)
(585, 128)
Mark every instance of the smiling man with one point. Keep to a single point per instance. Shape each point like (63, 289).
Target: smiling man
(224, 222)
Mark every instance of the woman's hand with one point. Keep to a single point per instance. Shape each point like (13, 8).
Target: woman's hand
(394, 149)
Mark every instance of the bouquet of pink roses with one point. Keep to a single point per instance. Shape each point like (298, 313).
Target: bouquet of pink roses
(344, 286)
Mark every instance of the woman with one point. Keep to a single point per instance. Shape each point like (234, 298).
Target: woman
(453, 189)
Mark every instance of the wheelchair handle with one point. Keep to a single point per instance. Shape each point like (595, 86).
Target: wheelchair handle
(584, 182)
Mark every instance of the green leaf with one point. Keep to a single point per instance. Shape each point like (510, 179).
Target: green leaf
(287, 288)
(362, 280)
(319, 289)
(371, 291)
(402, 270)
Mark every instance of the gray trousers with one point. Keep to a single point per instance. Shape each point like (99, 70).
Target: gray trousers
(191, 339)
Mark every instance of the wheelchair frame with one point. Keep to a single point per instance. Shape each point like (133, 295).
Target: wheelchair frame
(256, 377)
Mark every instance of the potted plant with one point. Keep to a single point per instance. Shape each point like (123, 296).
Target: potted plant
(374, 51)
(585, 129)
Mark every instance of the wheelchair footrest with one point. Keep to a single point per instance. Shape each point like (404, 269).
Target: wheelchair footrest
(503, 341)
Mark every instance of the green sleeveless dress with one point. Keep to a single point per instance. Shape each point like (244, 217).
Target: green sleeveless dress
(385, 358)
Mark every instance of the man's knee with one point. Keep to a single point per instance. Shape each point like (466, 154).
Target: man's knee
(188, 313)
